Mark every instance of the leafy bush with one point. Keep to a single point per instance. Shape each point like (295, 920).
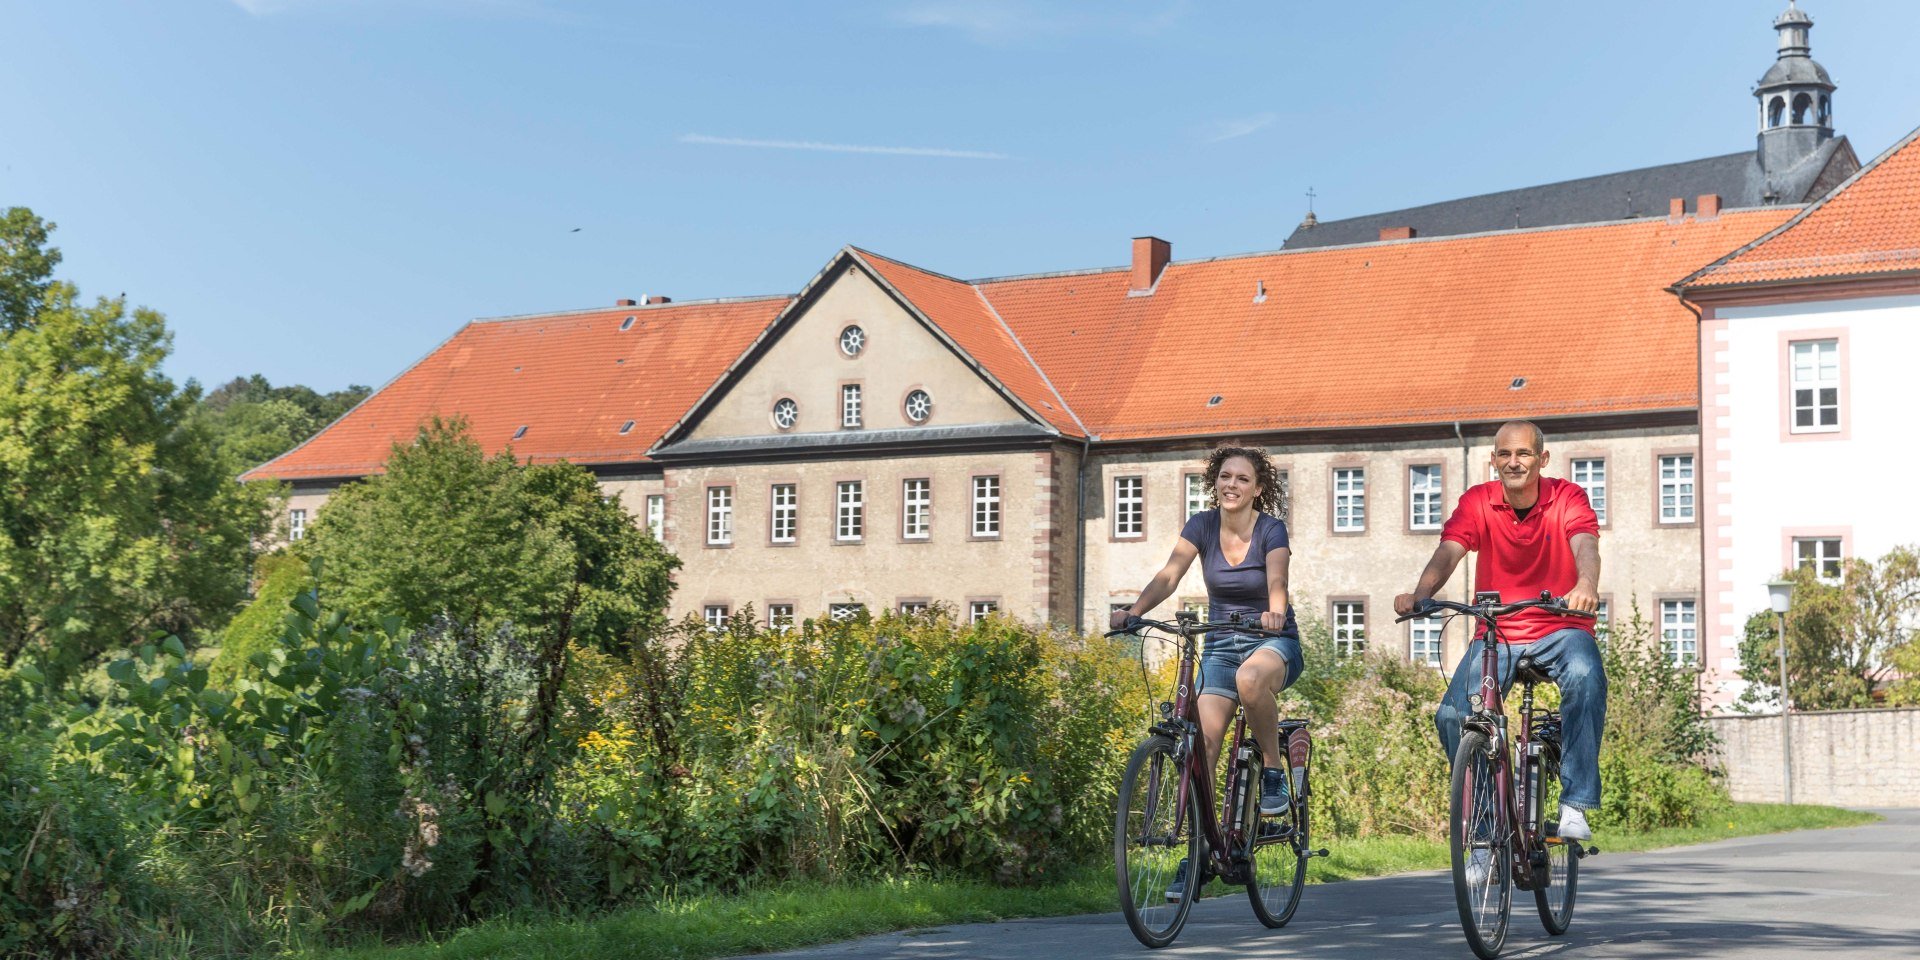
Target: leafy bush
(258, 627)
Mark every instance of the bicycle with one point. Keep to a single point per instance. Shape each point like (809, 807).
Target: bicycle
(1166, 810)
(1495, 811)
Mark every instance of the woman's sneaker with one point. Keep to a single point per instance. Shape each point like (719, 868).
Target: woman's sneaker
(1178, 888)
(1273, 792)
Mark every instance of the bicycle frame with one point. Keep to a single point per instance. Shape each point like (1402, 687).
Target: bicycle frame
(1515, 795)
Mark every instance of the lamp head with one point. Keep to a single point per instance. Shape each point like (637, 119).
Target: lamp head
(1780, 595)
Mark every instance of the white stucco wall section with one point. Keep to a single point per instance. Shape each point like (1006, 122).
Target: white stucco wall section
(1770, 485)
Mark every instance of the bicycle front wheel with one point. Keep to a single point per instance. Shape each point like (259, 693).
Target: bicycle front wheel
(1482, 848)
(1276, 856)
(1150, 838)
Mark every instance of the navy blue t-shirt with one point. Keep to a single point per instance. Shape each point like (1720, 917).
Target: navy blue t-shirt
(1235, 589)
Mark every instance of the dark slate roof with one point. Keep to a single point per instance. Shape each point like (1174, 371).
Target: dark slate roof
(1736, 177)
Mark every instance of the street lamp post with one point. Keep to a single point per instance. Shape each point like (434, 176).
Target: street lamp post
(1780, 598)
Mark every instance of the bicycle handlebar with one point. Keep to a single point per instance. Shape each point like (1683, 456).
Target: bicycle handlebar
(1490, 611)
(1242, 622)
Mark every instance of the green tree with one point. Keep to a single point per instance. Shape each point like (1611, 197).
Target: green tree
(253, 421)
(485, 540)
(1844, 638)
(115, 518)
(26, 266)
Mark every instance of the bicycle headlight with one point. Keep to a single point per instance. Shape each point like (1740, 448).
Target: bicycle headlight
(1474, 700)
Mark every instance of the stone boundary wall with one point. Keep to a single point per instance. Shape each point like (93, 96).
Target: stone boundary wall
(1846, 758)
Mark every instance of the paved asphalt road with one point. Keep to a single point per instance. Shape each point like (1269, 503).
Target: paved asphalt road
(1814, 894)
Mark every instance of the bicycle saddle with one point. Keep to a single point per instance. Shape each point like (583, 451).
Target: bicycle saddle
(1527, 670)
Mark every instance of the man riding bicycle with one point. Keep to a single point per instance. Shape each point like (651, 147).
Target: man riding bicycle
(1533, 534)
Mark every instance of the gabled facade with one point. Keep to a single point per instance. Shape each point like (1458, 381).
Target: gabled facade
(1806, 340)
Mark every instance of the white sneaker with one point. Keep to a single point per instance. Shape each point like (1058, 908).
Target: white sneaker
(1479, 867)
(1573, 824)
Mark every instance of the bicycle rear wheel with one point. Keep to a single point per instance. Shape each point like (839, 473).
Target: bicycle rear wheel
(1276, 856)
(1479, 833)
(1554, 898)
(1150, 836)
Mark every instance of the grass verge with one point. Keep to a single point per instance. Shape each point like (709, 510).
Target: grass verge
(785, 918)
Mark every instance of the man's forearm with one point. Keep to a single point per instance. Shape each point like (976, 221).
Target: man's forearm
(1586, 560)
(1438, 571)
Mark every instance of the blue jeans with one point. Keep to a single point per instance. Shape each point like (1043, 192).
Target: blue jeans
(1226, 651)
(1572, 659)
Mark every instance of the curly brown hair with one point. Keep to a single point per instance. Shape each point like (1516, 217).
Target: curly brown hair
(1263, 473)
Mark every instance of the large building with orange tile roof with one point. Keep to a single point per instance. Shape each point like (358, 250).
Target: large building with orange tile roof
(1806, 342)
(891, 436)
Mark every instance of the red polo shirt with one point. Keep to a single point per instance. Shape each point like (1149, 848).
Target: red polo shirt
(1521, 558)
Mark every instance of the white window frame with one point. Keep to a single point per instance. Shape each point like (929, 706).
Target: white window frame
(1678, 491)
(916, 508)
(1680, 631)
(1425, 488)
(1591, 474)
(716, 615)
(1350, 496)
(843, 612)
(910, 608)
(1426, 640)
(978, 610)
(986, 506)
(850, 405)
(1819, 372)
(784, 519)
(1825, 551)
(780, 617)
(1603, 620)
(1349, 628)
(657, 515)
(1129, 507)
(296, 524)
(719, 516)
(1196, 495)
(850, 511)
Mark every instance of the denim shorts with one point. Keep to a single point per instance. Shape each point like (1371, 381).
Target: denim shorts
(1226, 651)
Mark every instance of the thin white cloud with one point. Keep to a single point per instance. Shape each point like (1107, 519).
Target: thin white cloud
(1238, 127)
(947, 152)
(1008, 22)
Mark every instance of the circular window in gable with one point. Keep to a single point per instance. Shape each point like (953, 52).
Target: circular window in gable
(919, 406)
(786, 413)
(853, 340)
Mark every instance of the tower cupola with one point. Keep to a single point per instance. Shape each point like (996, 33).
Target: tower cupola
(1796, 96)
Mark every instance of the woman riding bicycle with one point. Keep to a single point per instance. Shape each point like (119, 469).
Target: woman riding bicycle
(1243, 551)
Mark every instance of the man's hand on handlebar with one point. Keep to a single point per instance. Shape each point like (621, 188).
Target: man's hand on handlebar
(1582, 598)
(1407, 604)
(1118, 621)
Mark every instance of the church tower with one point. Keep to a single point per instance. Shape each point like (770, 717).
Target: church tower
(1796, 98)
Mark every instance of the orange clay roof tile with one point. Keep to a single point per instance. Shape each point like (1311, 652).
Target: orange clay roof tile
(573, 380)
(1869, 225)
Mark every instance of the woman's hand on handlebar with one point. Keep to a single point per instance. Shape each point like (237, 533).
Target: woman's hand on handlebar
(1275, 620)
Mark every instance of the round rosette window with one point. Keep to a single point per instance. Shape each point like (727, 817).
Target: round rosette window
(853, 340)
(919, 406)
(786, 413)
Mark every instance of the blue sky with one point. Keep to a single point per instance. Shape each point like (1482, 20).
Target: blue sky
(321, 190)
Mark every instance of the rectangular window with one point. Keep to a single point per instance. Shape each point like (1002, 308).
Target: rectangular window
(719, 515)
(780, 616)
(1679, 631)
(1196, 494)
(1676, 488)
(1602, 621)
(979, 610)
(1591, 475)
(1427, 635)
(1349, 628)
(1423, 497)
(850, 405)
(912, 608)
(716, 615)
(786, 512)
(1820, 553)
(1349, 499)
(986, 506)
(1129, 507)
(1197, 607)
(296, 524)
(657, 515)
(850, 515)
(842, 612)
(916, 509)
(1816, 386)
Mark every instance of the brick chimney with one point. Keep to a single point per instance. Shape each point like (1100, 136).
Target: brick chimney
(625, 302)
(1150, 256)
(1707, 207)
(1676, 209)
(656, 299)
(1398, 233)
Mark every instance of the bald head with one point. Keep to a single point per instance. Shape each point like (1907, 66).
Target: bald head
(1514, 431)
